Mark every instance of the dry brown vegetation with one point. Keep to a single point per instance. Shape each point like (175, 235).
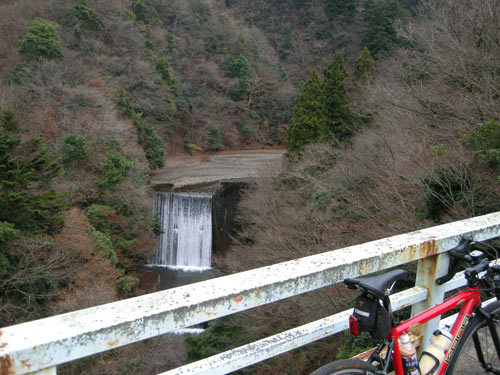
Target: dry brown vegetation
(426, 105)
(93, 277)
(427, 99)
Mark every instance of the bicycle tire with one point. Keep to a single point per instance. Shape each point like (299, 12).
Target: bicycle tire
(464, 359)
(346, 367)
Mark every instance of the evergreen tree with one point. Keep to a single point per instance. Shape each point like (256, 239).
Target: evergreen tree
(86, 15)
(74, 149)
(26, 201)
(140, 10)
(335, 8)
(380, 32)
(309, 119)
(7, 234)
(8, 120)
(42, 40)
(336, 101)
(364, 66)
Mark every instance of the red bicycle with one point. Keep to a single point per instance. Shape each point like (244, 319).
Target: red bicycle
(475, 343)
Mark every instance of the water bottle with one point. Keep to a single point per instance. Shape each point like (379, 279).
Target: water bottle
(408, 355)
(433, 355)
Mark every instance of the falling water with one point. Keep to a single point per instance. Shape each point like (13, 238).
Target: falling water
(186, 241)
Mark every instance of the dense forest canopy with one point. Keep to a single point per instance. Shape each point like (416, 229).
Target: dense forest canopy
(389, 111)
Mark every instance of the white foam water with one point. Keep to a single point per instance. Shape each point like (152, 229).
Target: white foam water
(186, 242)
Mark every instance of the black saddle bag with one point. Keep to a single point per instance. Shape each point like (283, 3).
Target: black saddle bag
(372, 317)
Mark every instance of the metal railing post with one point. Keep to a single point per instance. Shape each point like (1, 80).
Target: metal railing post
(428, 270)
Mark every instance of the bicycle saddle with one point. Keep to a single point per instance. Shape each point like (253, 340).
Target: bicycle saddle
(379, 286)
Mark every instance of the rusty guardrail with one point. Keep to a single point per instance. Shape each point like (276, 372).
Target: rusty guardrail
(39, 346)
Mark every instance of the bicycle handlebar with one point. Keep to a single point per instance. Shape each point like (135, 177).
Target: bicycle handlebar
(458, 252)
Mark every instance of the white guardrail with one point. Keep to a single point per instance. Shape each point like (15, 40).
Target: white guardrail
(39, 346)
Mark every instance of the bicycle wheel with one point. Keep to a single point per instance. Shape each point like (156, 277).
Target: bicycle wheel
(346, 367)
(465, 359)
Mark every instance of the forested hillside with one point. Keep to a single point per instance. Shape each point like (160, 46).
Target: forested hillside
(389, 111)
(428, 156)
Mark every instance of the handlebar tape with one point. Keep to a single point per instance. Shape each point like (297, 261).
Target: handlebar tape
(458, 252)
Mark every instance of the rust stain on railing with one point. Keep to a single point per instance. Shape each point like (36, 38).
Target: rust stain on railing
(93, 330)
(428, 248)
(6, 365)
(113, 343)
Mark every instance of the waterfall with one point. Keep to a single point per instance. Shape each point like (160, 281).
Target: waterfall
(186, 220)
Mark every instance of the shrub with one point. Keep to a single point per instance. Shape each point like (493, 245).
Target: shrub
(150, 142)
(215, 138)
(355, 345)
(162, 66)
(7, 234)
(104, 245)
(74, 149)
(42, 40)
(486, 141)
(171, 42)
(126, 285)
(157, 226)
(96, 217)
(450, 187)
(116, 168)
(236, 67)
(18, 74)
(335, 8)
(201, 10)
(152, 146)
(8, 120)
(219, 336)
(140, 10)
(364, 65)
(37, 269)
(85, 14)
(124, 103)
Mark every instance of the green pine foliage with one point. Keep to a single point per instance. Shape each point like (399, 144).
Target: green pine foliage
(335, 8)
(149, 141)
(7, 234)
(140, 10)
(74, 149)
(236, 67)
(364, 66)
(162, 66)
(86, 15)
(215, 138)
(217, 337)
(18, 74)
(380, 32)
(8, 120)
(152, 146)
(486, 141)
(310, 119)
(336, 101)
(42, 40)
(322, 113)
(115, 168)
(26, 200)
(239, 68)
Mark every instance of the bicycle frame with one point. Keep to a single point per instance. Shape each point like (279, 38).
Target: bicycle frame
(468, 300)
